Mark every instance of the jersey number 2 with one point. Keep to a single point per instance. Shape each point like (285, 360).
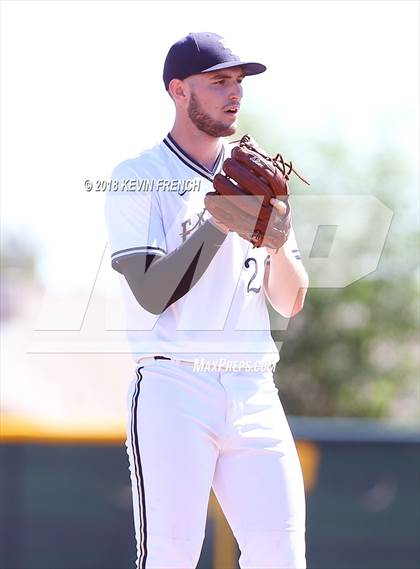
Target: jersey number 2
(248, 262)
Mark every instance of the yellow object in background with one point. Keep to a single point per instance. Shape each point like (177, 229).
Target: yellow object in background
(309, 455)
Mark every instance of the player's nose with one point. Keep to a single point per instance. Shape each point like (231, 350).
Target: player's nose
(236, 92)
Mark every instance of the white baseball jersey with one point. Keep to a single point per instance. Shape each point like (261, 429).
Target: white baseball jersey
(156, 202)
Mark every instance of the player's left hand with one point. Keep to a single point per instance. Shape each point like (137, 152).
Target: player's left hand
(242, 200)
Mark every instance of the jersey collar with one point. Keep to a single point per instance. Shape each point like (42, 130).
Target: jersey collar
(191, 162)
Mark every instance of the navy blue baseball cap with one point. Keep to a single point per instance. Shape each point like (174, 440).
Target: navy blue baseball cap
(202, 52)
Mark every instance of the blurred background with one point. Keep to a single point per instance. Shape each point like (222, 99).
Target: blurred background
(81, 90)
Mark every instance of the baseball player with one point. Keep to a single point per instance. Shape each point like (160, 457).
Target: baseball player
(203, 408)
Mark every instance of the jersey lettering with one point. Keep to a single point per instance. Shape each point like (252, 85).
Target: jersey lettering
(200, 220)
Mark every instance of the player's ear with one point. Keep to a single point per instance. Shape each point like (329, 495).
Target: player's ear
(177, 90)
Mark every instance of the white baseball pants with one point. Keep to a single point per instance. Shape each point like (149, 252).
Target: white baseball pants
(189, 431)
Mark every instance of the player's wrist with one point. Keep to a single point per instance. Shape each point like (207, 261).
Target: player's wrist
(279, 252)
(219, 225)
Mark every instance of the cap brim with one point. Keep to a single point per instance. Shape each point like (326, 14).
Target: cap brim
(250, 67)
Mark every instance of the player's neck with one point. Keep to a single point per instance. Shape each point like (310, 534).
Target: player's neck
(203, 148)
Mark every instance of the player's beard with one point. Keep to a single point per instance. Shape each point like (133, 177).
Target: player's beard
(204, 122)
